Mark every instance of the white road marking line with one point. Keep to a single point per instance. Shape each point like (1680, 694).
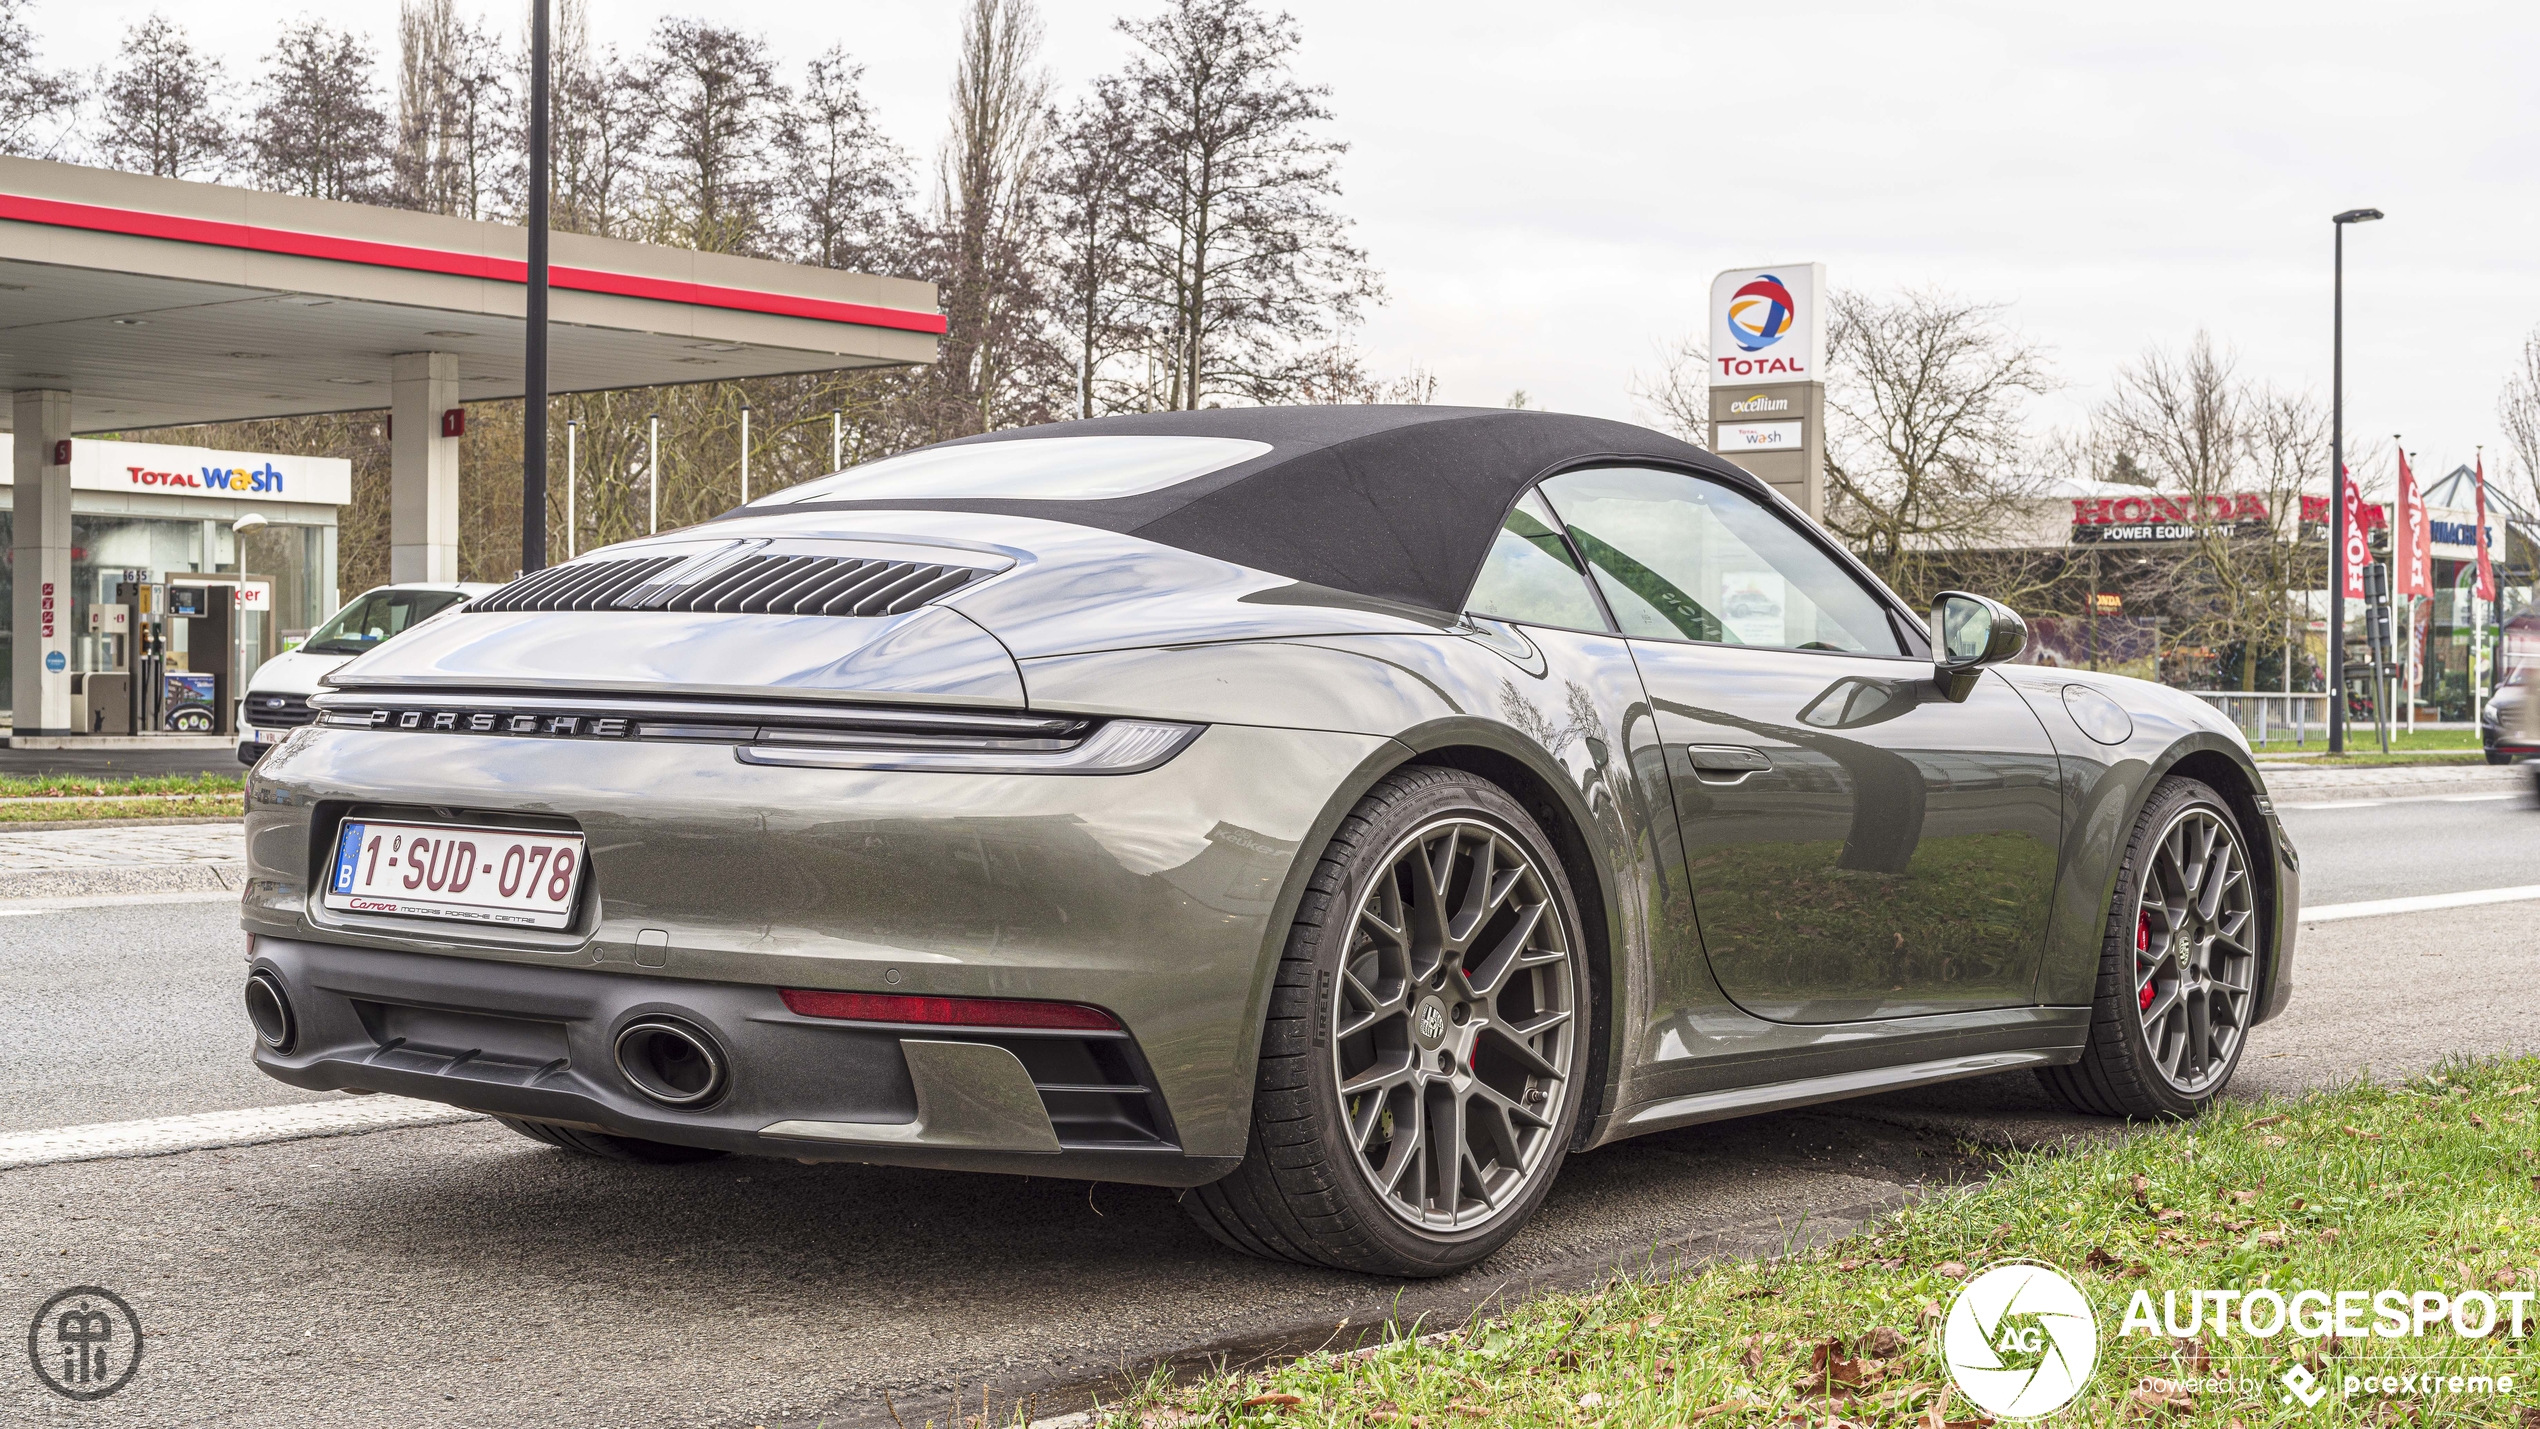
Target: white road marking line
(2403, 799)
(16, 907)
(2423, 903)
(250, 1126)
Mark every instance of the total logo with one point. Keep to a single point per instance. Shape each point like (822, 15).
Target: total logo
(2020, 1340)
(1761, 313)
(262, 479)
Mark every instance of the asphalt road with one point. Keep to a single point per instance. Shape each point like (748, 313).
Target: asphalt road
(461, 1275)
(2359, 849)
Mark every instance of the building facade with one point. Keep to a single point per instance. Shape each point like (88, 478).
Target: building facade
(145, 511)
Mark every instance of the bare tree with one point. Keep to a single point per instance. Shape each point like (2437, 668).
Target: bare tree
(1677, 396)
(983, 244)
(1925, 400)
(1338, 374)
(2185, 417)
(601, 126)
(457, 140)
(1249, 262)
(32, 99)
(1096, 230)
(319, 129)
(2229, 458)
(717, 111)
(2518, 410)
(845, 184)
(158, 114)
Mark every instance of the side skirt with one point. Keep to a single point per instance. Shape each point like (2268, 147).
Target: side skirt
(1808, 1091)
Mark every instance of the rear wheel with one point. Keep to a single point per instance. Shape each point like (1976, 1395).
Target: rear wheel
(2178, 972)
(1419, 1073)
(609, 1147)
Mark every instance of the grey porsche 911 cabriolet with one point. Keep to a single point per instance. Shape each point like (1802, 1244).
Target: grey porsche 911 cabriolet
(1346, 812)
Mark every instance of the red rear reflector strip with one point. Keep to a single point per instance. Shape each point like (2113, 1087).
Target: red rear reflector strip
(950, 1011)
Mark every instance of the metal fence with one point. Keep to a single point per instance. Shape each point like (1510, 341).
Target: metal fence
(2265, 715)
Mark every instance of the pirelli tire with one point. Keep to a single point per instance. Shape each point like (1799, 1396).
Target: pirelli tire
(1424, 1052)
(2178, 968)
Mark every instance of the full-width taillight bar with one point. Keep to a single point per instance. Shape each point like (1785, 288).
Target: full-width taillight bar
(950, 1011)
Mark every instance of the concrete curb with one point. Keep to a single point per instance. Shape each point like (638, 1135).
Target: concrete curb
(2296, 785)
(145, 878)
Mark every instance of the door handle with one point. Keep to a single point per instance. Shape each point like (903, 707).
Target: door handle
(1725, 763)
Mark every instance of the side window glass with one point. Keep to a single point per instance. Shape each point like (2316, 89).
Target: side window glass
(1684, 558)
(1530, 576)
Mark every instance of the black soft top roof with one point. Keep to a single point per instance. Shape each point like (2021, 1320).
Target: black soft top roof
(1399, 503)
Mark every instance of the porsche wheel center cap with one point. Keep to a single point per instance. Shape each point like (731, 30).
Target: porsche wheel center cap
(1428, 1023)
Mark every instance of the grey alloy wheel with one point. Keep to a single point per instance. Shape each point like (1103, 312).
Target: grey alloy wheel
(2195, 959)
(2179, 963)
(1389, 1137)
(1452, 1024)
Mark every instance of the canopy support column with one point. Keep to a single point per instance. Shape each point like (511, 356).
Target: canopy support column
(40, 615)
(423, 468)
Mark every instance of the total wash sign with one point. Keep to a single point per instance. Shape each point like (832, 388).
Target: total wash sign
(154, 469)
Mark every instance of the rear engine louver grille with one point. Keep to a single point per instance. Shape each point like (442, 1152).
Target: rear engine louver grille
(759, 585)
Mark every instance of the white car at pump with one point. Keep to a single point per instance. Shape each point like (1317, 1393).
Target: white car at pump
(277, 699)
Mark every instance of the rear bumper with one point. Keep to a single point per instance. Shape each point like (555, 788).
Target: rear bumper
(538, 1043)
(1162, 897)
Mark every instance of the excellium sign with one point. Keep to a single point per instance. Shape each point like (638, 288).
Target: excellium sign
(159, 470)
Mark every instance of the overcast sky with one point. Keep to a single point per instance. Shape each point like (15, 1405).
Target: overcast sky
(1549, 188)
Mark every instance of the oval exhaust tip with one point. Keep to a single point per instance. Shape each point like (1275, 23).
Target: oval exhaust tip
(671, 1062)
(269, 1008)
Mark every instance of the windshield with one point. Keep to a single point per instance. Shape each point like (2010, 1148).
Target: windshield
(375, 616)
(1030, 469)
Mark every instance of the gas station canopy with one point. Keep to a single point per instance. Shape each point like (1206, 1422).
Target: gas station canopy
(130, 302)
(156, 302)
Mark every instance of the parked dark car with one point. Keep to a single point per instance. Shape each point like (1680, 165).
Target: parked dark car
(1345, 813)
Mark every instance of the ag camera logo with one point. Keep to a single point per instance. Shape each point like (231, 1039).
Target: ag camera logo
(2020, 1340)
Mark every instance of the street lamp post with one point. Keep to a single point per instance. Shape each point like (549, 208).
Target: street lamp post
(2337, 488)
(533, 404)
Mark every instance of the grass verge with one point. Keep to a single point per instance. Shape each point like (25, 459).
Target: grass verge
(59, 798)
(2433, 1185)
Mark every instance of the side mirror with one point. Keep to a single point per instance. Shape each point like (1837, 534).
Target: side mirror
(1968, 633)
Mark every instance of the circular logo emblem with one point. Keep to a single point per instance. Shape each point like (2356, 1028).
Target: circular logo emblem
(56, 661)
(2020, 1340)
(85, 1343)
(1760, 313)
(1430, 1024)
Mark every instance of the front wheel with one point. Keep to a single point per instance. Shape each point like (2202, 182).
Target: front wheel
(1420, 1068)
(2178, 972)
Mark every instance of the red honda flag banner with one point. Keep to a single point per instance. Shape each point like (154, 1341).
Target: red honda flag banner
(2486, 569)
(2358, 551)
(2411, 545)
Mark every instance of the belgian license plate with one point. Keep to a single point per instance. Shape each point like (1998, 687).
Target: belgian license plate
(501, 876)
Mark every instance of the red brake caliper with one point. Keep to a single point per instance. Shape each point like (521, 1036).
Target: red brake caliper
(2142, 946)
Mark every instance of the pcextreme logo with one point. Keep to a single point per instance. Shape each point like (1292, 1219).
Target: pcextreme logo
(2020, 1340)
(1760, 313)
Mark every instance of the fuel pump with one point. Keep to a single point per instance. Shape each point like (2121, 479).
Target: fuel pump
(145, 654)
